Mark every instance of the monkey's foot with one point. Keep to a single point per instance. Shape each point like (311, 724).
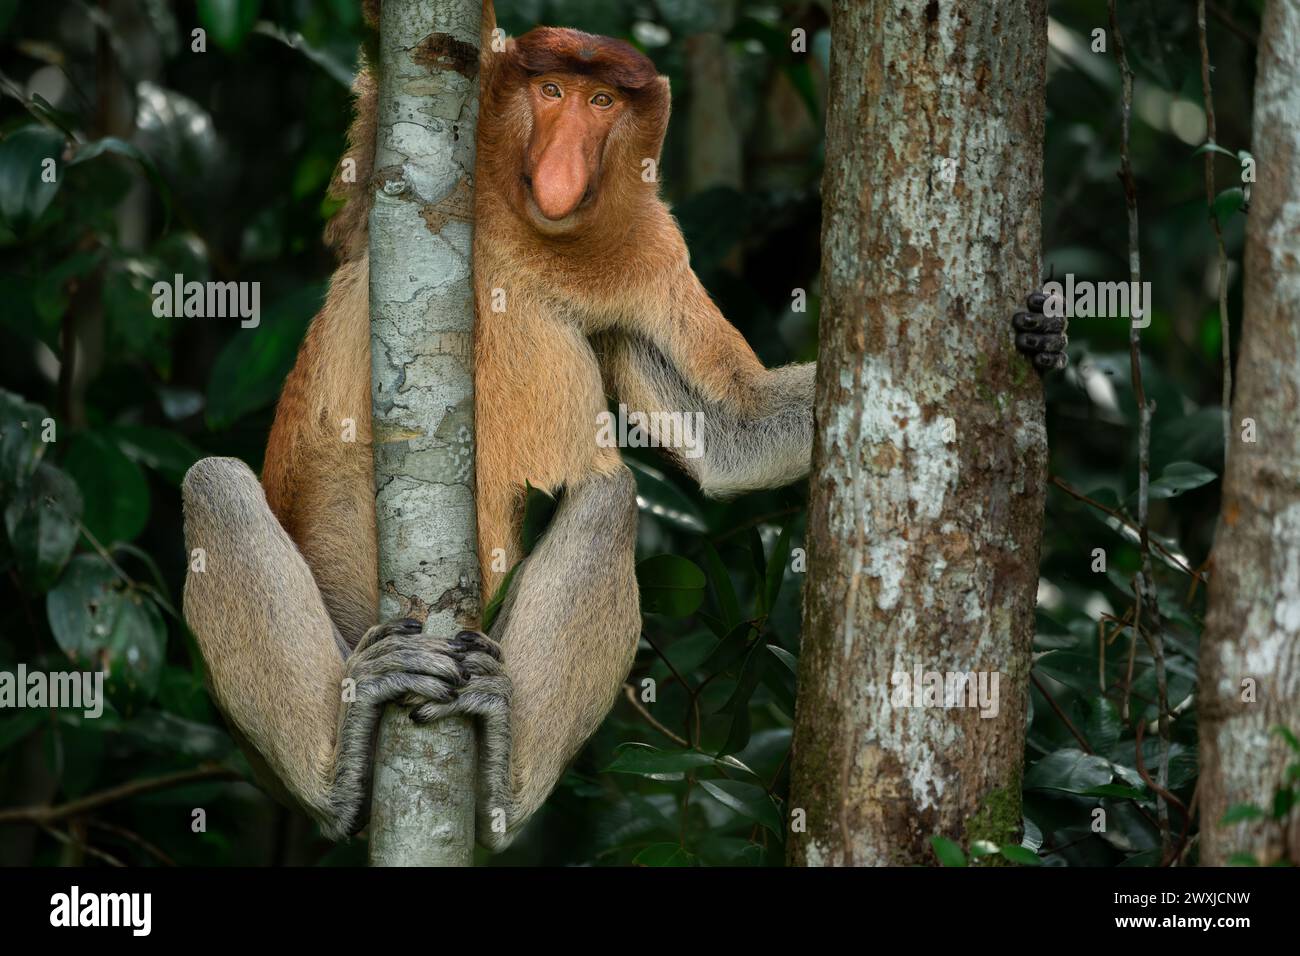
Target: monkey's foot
(487, 691)
(1041, 338)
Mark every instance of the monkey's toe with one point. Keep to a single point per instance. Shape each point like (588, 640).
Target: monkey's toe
(1051, 361)
(477, 641)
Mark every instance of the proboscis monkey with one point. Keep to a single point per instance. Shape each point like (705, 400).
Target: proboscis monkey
(567, 224)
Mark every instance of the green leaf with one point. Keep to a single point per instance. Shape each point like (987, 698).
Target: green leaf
(949, 853)
(1283, 801)
(747, 800)
(723, 589)
(41, 522)
(1103, 725)
(729, 651)
(23, 195)
(786, 658)
(1242, 859)
(776, 567)
(539, 509)
(1291, 740)
(228, 22)
(670, 585)
(1116, 790)
(1208, 146)
(1241, 812)
(165, 733)
(21, 447)
(658, 764)
(738, 704)
(1072, 771)
(1178, 477)
(112, 146)
(493, 607)
(664, 854)
(250, 370)
(115, 490)
(1228, 202)
(162, 450)
(99, 623)
(659, 497)
(1021, 856)
(18, 725)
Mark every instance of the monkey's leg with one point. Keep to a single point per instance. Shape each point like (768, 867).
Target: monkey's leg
(276, 664)
(568, 631)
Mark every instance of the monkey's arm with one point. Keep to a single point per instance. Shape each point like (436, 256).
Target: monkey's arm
(753, 424)
(275, 663)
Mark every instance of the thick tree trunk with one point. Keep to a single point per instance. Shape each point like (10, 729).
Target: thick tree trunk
(1250, 655)
(929, 464)
(422, 314)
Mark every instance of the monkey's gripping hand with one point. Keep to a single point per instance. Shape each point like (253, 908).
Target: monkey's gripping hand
(391, 662)
(485, 694)
(1041, 338)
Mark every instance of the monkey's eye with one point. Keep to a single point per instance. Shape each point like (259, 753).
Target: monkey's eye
(602, 101)
(551, 90)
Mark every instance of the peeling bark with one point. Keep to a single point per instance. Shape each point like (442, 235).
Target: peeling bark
(930, 454)
(422, 312)
(1252, 635)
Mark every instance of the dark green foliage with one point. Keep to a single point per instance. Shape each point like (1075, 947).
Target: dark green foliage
(217, 170)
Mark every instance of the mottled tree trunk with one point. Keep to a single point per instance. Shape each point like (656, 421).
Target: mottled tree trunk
(1250, 655)
(929, 462)
(422, 314)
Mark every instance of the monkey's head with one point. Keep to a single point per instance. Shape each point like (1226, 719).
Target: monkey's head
(584, 114)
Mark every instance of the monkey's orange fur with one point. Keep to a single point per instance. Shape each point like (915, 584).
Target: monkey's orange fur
(616, 263)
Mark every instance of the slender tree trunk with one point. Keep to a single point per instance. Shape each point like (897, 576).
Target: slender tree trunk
(1250, 654)
(929, 461)
(422, 313)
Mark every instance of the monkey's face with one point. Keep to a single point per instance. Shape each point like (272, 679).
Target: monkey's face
(572, 119)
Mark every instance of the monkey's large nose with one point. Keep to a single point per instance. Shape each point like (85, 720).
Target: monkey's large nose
(559, 179)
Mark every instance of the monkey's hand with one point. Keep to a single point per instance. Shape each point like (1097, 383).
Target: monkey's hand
(1041, 338)
(391, 662)
(486, 696)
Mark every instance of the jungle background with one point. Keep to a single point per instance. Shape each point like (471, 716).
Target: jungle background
(214, 165)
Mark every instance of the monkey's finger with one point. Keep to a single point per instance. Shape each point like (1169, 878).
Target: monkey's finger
(1051, 361)
(412, 659)
(400, 627)
(477, 641)
(480, 664)
(385, 688)
(1035, 301)
(428, 713)
(1028, 321)
(1053, 343)
(1033, 322)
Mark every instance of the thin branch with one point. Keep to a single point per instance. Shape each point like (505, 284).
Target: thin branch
(1224, 17)
(1093, 502)
(1069, 724)
(1211, 138)
(84, 847)
(1144, 585)
(130, 836)
(46, 815)
(630, 692)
